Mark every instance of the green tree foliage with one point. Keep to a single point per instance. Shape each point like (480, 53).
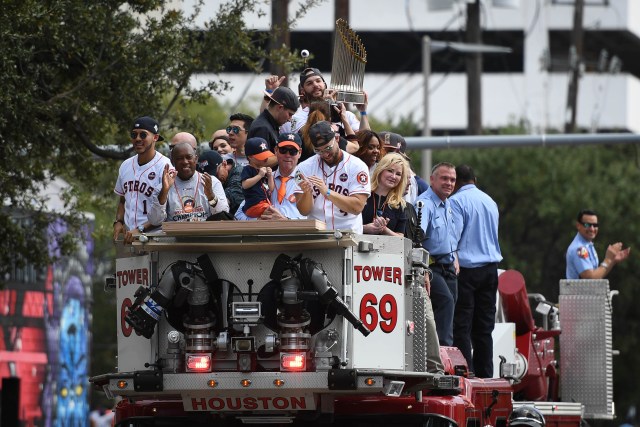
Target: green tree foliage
(539, 192)
(73, 76)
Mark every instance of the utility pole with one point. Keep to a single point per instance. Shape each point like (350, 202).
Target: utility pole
(473, 35)
(341, 10)
(425, 158)
(280, 36)
(576, 52)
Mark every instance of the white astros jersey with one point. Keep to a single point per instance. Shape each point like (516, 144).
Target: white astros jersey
(138, 184)
(350, 176)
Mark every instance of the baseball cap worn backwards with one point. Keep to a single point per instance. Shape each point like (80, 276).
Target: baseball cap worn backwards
(285, 97)
(393, 141)
(321, 133)
(209, 161)
(309, 72)
(149, 124)
(257, 148)
(289, 139)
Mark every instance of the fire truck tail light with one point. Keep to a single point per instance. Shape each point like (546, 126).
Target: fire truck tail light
(198, 363)
(293, 362)
(212, 383)
(278, 382)
(122, 384)
(370, 382)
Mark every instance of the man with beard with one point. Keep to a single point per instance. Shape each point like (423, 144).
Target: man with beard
(187, 195)
(139, 180)
(441, 241)
(333, 185)
(312, 87)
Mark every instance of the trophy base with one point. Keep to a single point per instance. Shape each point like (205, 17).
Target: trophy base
(350, 97)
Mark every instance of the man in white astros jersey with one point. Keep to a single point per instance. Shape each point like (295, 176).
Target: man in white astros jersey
(139, 179)
(332, 186)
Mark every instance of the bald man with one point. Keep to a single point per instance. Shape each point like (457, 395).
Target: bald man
(183, 137)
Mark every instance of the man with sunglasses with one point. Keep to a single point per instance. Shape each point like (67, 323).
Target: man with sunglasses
(582, 259)
(238, 131)
(283, 201)
(332, 186)
(283, 103)
(139, 180)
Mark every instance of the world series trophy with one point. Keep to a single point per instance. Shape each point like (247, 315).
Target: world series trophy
(349, 60)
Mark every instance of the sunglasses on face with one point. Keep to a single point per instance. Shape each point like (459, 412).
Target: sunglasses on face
(234, 129)
(142, 135)
(288, 150)
(590, 224)
(323, 150)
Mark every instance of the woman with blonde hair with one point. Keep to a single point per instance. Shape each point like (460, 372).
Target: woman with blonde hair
(384, 212)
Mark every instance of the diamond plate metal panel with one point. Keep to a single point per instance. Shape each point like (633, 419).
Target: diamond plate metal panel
(420, 331)
(586, 354)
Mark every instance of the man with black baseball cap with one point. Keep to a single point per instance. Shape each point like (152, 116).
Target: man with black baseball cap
(312, 87)
(139, 179)
(332, 186)
(283, 103)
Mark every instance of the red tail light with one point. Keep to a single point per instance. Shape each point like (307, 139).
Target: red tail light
(198, 362)
(293, 361)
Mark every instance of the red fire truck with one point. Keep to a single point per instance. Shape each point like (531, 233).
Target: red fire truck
(224, 323)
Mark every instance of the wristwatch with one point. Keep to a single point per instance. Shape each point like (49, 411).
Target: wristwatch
(141, 228)
(213, 202)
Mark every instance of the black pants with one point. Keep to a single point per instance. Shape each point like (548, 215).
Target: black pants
(475, 317)
(444, 292)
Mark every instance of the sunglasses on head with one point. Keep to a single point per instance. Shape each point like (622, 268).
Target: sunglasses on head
(590, 224)
(234, 129)
(288, 150)
(142, 135)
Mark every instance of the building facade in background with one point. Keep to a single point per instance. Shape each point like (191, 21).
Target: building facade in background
(529, 86)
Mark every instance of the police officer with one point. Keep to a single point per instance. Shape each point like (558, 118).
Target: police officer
(476, 216)
(441, 242)
(582, 259)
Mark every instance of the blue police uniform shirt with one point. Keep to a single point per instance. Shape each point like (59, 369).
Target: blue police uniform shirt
(581, 256)
(438, 224)
(476, 218)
